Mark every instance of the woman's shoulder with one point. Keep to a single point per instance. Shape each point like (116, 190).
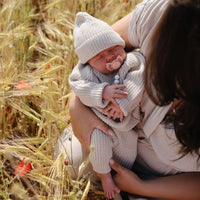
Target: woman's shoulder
(148, 11)
(144, 18)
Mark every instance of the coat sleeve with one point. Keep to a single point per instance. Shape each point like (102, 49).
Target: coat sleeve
(86, 86)
(144, 20)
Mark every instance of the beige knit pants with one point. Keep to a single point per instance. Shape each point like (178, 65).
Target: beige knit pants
(121, 146)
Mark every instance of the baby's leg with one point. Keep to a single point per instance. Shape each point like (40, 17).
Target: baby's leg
(100, 157)
(125, 148)
(108, 185)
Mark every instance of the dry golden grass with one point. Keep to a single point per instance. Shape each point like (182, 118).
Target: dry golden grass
(36, 57)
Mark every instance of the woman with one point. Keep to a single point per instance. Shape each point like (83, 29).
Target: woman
(167, 165)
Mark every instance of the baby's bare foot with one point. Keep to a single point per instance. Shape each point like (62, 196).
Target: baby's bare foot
(108, 185)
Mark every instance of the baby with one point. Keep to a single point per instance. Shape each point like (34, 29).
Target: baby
(110, 82)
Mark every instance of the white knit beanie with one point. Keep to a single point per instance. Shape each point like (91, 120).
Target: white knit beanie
(91, 36)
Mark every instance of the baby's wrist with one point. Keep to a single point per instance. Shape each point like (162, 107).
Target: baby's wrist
(104, 93)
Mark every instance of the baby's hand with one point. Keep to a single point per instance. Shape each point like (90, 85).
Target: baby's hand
(113, 111)
(110, 92)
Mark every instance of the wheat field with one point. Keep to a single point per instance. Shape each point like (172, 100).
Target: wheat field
(36, 57)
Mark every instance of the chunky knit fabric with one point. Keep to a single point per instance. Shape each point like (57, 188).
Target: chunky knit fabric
(91, 36)
(88, 84)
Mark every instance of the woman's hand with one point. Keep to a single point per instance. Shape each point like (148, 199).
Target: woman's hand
(84, 121)
(182, 186)
(125, 179)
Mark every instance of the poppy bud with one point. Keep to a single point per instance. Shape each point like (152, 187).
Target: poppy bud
(66, 161)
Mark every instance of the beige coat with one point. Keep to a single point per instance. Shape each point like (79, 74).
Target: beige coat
(161, 140)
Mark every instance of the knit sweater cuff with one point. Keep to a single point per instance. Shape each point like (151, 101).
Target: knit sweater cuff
(97, 93)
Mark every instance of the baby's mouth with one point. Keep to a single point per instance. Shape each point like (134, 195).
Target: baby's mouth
(115, 64)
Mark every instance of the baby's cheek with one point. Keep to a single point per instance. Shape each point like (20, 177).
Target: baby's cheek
(122, 53)
(124, 56)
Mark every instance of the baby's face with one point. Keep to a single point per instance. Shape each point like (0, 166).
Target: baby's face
(109, 60)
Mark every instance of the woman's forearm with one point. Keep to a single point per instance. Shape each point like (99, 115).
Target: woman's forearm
(182, 186)
(185, 186)
(121, 27)
(78, 113)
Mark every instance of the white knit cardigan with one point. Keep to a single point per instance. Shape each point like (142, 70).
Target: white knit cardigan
(88, 84)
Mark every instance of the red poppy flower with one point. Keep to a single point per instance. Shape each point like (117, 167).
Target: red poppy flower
(22, 85)
(48, 66)
(23, 169)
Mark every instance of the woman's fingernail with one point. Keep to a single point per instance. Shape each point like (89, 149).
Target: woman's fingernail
(110, 132)
(111, 161)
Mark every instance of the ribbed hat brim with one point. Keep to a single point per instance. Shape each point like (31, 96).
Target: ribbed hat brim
(98, 43)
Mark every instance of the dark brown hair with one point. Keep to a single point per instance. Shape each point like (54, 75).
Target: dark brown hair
(173, 70)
